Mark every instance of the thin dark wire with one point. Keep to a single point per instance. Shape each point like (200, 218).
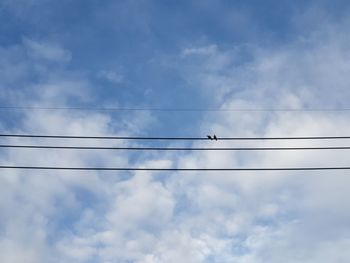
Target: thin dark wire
(173, 138)
(180, 109)
(176, 148)
(172, 169)
(101, 137)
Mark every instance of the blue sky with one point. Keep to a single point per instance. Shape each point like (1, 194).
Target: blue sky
(138, 39)
(129, 51)
(174, 54)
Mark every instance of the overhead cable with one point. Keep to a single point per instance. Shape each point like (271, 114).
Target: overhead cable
(171, 138)
(173, 169)
(176, 148)
(177, 109)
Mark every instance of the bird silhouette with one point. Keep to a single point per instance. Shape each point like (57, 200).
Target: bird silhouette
(209, 137)
(215, 138)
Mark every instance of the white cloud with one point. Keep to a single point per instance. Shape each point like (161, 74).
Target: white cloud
(111, 76)
(206, 50)
(191, 217)
(40, 50)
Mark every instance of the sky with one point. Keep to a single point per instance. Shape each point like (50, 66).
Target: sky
(174, 54)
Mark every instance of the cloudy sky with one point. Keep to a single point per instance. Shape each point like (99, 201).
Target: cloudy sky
(174, 54)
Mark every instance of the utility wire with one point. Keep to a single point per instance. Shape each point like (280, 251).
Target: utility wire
(173, 138)
(173, 169)
(179, 109)
(176, 148)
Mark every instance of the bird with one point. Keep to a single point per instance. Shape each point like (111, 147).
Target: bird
(209, 137)
(215, 138)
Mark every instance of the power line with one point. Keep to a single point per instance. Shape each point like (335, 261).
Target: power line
(172, 169)
(179, 109)
(101, 137)
(176, 148)
(172, 138)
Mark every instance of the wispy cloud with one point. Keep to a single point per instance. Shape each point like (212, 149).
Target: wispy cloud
(46, 51)
(179, 217)
(111, 76)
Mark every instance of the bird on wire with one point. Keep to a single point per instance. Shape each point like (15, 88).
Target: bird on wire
(212, 137)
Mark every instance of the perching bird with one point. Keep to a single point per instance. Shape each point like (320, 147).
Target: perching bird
(209, 137)
(215, 138)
